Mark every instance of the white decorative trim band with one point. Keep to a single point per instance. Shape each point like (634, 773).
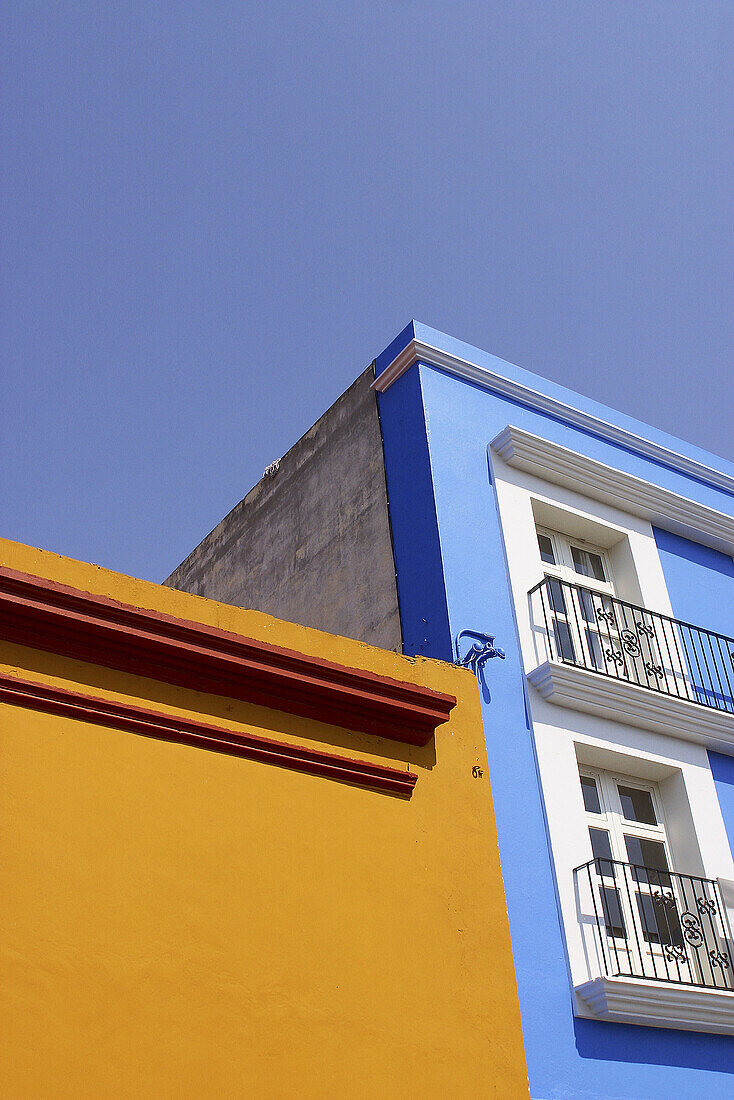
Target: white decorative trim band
(561, 466)
(417, 350)
(622, 701)
(659, 1004)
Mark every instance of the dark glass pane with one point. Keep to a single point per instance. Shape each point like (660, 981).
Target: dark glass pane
(555, 591)
(591, 796)
(587, 563)
(546, 549)
(602, 850)
(648, 919)
(612, 911)
(659, 918)
(564, 642)
(637, 805)
(650, 856)
(586, 602)
(596, 657)
(600, 844)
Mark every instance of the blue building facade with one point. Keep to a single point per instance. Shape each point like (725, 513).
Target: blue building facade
(448, 491)
(609, 725)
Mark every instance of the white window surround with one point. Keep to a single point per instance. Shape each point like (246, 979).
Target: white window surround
(698, 845)
(603, 733)
(527, 503)
(561, 466)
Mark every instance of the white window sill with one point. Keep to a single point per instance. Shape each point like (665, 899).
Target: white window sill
(622, 701)
(658, 1004)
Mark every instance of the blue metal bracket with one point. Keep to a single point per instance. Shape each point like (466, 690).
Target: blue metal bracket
(479, 653)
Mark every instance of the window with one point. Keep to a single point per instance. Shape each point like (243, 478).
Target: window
(591, 627)
(656, 921)
(572, 559)
(578, 574)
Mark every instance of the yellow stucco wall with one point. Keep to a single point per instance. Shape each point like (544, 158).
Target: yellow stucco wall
(178, 923)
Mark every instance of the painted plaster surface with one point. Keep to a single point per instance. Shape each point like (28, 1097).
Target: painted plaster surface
(700, 582)
(722, 768)
(310, 542)
(484, 359)
(176, 922)
(575, 1059)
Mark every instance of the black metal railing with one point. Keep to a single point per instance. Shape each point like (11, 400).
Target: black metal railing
(604, 634)
(649, 923)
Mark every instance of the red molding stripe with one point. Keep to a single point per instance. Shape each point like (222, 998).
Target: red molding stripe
(187, 731)
(45, 615)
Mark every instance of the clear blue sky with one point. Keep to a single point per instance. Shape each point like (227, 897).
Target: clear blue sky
(215, 214)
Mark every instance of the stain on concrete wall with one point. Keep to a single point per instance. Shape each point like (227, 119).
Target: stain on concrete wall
(311, 542)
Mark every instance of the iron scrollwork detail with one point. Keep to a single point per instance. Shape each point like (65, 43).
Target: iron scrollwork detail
(671, 916)
(663, 900)
(654, 670)
(675, 952)
(691, 929)
(630, 642)
(613, 655)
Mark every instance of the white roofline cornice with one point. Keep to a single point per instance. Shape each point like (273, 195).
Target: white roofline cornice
(490, 380)
(551, 462)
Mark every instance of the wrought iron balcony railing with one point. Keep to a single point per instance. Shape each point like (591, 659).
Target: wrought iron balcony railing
(604, 634)
(648, 923)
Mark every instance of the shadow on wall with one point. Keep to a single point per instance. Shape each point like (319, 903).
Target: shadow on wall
(260, 719)
(653, 1046)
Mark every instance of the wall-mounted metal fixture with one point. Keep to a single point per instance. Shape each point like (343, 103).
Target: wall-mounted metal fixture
(479, 653)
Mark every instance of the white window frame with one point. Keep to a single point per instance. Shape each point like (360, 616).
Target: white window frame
(637, 950)
(564, 567)
(577, 633)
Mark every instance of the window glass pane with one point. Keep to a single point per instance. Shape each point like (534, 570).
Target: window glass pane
(546, 549)
(648, 853)
(564, 642)
(650, 856)
(612, 911)
(587, 563)
(659, 919)
(637, 805)
(561, 629)
(591, 795)
(596, 657)
(600, 843)
(557, 600)
(586, 605)
(602, 849)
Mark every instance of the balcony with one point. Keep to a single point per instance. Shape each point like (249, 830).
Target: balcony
(613, 659)
(657, 948)
(659, 925)
(621, 640)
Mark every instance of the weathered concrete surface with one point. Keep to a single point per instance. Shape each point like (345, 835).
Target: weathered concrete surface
(311, 542)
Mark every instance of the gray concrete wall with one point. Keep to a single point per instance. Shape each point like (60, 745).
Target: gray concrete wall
(311, 542)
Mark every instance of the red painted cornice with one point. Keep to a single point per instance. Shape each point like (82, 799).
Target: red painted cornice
(45, 615)
(202, 735)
